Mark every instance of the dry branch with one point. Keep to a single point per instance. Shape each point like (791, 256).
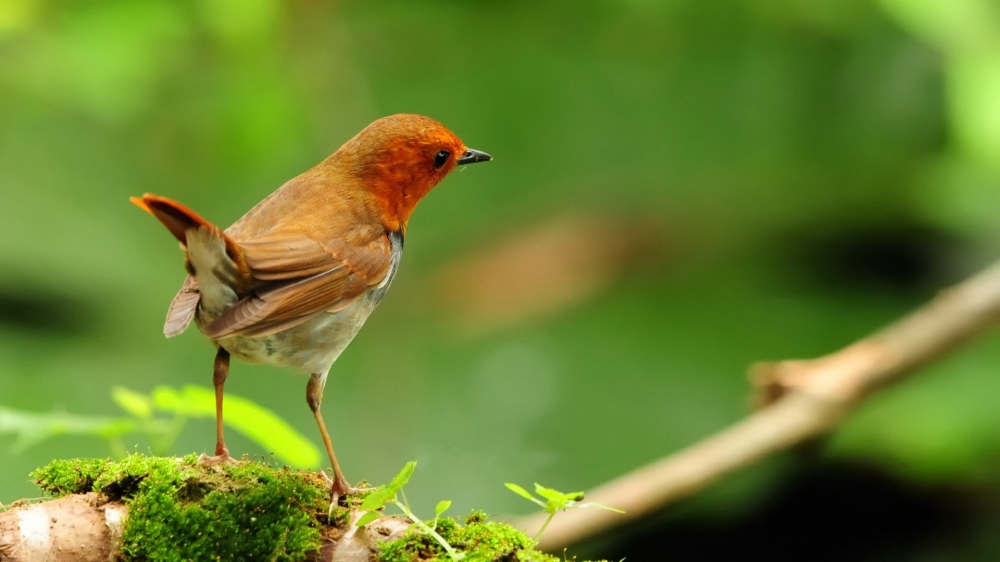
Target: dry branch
(802, 399)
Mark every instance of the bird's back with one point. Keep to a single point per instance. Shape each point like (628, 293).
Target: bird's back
(334, 235)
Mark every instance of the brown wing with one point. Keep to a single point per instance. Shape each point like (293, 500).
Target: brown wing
(301, 277)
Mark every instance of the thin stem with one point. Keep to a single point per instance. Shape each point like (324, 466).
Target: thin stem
(454, 554)
(544, 525)
(405, 501)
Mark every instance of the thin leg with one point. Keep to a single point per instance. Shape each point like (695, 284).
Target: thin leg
(219, 376)
(314, 396)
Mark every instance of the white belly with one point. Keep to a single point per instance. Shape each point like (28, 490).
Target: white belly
(310, 347)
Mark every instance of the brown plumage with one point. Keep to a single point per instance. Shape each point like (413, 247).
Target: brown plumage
(293, 280)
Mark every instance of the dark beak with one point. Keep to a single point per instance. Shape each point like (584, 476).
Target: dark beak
(472, 156)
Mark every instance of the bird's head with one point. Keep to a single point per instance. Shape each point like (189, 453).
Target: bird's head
(400, 158)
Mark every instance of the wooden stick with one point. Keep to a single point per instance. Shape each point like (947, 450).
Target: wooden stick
(801, 399)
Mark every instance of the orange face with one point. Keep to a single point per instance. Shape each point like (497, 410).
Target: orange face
(400, 158)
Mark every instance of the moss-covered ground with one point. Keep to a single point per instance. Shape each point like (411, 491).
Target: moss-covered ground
(481, 541)
(181, 511)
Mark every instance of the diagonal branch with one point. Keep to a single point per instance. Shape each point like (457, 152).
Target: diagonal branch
(800, 399)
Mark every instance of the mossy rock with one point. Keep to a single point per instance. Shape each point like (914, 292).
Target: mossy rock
(180, 511)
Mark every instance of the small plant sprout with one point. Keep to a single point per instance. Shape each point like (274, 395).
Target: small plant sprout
(377, 500)
(439, 510)
(555, 501)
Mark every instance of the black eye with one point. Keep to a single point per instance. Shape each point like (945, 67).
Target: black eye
(440, 158)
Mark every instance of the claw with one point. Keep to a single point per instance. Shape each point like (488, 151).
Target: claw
(340, 489)
(205, 460)
(326, 478)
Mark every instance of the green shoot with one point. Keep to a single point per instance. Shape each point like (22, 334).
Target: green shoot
(439, 510)
(377, 500)
(555, 501)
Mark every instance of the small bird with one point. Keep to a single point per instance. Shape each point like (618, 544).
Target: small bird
(292, 281)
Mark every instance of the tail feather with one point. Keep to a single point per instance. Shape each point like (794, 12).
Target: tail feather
(182, 308)
(218, 272)
(179, 219)
(175, 216)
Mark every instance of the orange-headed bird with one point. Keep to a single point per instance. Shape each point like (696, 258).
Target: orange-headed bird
(295, 278)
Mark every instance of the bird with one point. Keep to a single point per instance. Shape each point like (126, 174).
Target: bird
(293, 281)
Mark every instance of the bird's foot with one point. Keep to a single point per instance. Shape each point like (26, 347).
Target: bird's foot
(223, 458)
(340, 488)
(357, 490)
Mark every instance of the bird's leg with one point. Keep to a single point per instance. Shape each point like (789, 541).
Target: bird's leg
(314, 396)
(219, 380)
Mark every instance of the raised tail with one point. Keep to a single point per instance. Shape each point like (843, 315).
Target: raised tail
(178, 219)
(215, 261)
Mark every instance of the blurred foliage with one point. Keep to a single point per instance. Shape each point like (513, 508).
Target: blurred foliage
(961, 188)
(257, 423)
(770, 179)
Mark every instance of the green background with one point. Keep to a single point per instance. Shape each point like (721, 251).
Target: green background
(716, 184)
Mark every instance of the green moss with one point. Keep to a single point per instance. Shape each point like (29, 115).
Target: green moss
(181, 511)
(75, 476)
(481, 540)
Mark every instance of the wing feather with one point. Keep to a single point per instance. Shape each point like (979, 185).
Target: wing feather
(280, 256)
(302, 278)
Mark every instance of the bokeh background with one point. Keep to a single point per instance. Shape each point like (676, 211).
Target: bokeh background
(680, 188)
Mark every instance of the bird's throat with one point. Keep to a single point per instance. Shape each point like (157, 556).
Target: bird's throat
(398, 197)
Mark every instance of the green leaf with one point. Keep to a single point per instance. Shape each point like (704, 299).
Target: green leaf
(256, 422)
(553, 494)
(520, 491)
(368, 518)
(139, 405)
(31, 428)
(167, 399)
(526, 495)
(376, 499)
(602, 506)
(266, 428)
(403, 477)
(442, 507)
